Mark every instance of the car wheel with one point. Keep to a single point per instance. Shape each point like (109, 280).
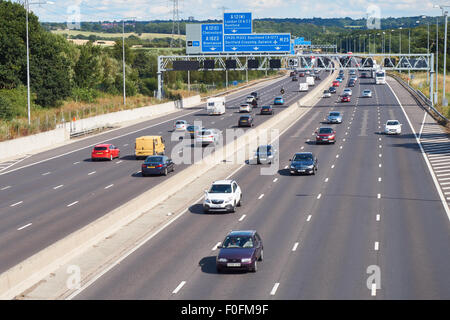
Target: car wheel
(240, 201)
(205, 211)
(314, 172)
(255, 266)
(165, 171)
(173, 168)
(218, 269)
(233, 209)
(143, 174)
(261, 257)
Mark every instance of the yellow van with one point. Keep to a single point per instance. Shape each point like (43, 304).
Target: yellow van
(149, 146)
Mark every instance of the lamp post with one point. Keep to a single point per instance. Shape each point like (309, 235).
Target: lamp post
(437, 60)
(27, 9)
(123, 58)
(445, 13)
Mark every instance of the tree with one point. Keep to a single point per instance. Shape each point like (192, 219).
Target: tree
(88, 69)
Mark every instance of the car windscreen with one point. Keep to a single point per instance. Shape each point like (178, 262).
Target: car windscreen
(302, 157)
(192, 128)
(264, 149)
(334, 114)
(238, 242)
(154, 160)
(366, 91)
(220, 188)
(392, 123)
(205, 133)
(325, 130)
(244, 117)
(100, 148)
(265, 107)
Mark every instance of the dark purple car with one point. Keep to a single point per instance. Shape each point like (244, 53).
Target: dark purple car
(240, 251)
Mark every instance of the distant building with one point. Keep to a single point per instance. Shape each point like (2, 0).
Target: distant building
(190, 18)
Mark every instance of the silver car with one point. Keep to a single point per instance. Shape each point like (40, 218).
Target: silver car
(334, 117)
(207, 136)
(180, 125)
(367, 93)
(347, 91)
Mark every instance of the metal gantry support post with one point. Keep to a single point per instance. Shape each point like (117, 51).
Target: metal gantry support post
(444, 100)
(431, 72)
(159, 95)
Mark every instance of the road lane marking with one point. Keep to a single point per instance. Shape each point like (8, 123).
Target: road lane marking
(125, 144)
(44, 174)
(337, 156)
(379, 155)
(242, 218)
(107, 187)
(57, 187)
(119, 161)
(332, 167)
(318, 197)
(77, 162)
(326, 180)
(182, 283)
(377, 245)
(275, 180)
(378, 217)
(15, 204)
(261, 196)
(91, 173)
(215, 247)
(340, 147)
(379, 196)
(379, 179)
(69, 205)
(302, 148)
(274, 289)
(295, 246)
(25, 226)
(379, 165)
(309, 218)
(4, 188)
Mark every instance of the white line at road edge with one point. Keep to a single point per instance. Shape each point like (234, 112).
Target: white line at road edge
(145, 240)
(436, 183)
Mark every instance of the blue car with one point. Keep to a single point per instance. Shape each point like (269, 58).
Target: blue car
(278, 101)
(339, 79)
(157, 165)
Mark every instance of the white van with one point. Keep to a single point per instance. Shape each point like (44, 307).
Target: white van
(215, 105)
(303, 87)
(310, 81)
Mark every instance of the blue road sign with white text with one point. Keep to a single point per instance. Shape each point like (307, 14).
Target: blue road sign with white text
(237, 23)
(262, 42)
(212, 37)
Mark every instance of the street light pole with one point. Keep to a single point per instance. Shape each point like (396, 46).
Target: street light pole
(123, 62)
(445, 13)
(437, 60)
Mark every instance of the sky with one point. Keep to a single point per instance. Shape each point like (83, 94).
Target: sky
(101, 10)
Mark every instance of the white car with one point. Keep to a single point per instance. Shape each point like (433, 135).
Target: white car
(224, 195)
(367, 93)
(207, 136)
(250, 99)
(326, 94)
(393, 127)
(180, 125)
(348, 91)
(245, 107)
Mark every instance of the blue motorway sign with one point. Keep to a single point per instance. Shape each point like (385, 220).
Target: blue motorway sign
(237, 23)
(262, 42)
(212, 37)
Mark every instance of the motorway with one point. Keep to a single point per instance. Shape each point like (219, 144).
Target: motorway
(47, 196)
(372, 205)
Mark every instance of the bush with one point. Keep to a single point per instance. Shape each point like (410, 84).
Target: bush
(6, 112)
(173, 96)
(17, 100)
(85, 95)
(147, 86)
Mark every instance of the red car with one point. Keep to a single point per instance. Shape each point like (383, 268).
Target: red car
(301, 74)
(326, 135)
(336, 83)
(105, 151)
(345, 98)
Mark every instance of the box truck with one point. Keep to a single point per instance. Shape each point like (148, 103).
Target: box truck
(215, 105)
(310, 81)
(303, 87)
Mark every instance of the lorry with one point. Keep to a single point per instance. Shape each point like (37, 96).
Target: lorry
(215, 105)
(148, 146)
(303, 87)
(310, 81)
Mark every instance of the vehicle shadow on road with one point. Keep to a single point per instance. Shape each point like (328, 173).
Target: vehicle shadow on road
(284, 172)
(131, 157)
(208, 265)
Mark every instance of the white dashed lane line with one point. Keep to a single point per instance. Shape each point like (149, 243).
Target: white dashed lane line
(274, 289)
(242, 218)
(16, 204)
(46, 173)
(107, 187)
(177, 289)
(261, 196)
(25, 226)
(71, 204)
(295, 246)
(57, 187)
(215, 246)
(4, 188)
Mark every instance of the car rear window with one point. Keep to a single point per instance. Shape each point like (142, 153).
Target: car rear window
(154, 159)
(100, 148)
(220, 188)
(180, 122)
(325, 130)
(238, 242)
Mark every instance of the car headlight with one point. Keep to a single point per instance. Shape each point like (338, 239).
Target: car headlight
(246, 260)
(207, 200)
(310, 167)
(292, 166)
(222, 260)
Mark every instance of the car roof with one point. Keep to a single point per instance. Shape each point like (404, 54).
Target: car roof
(308, 153)
(335, 112)
(241, 233)
(267, 106)
(223, 182)
(102, 145)
(154, 156)
(278, 97)
(246, 116)
(393, 120)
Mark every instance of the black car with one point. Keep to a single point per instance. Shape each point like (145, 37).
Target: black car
(351, 84)
(266, 110)
(303, 162)
(193, 130)
(332, 89)
(255, 94)
(157, 165)
(294, 78)
(363, 75)
(245, 121)
(240, 251)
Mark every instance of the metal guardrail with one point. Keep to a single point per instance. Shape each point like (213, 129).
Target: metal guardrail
(421, 99)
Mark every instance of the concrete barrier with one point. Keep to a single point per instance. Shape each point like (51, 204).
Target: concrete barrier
(30, 271)
(29, 144)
